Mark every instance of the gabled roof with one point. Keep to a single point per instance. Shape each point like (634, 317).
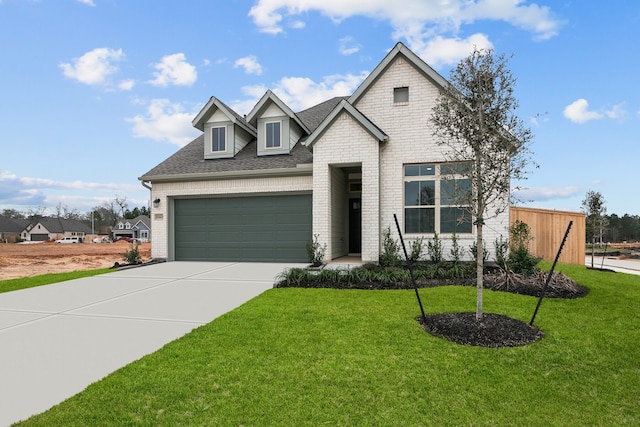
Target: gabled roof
(344, 105)
(263, 104)
(143, 219)
(412, 58)
(212, 106)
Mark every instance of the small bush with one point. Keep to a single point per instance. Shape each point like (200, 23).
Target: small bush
(390, 256)
(417, 247)
(501, 246)
(521, 260)
(474, 251)
(132, 256)
(434, 248)
(315, 251)
(457, 252)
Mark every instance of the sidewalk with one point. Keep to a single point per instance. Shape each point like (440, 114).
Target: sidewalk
(629, 266)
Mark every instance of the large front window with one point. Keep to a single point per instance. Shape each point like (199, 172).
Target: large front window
(433, 196)
(273, 134)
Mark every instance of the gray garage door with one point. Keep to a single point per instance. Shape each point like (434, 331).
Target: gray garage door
(265, 229)
(39, 237)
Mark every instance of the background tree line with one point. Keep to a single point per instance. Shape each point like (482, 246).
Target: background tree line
(603, 228)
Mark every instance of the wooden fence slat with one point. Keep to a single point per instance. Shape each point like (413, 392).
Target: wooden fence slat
(548, 228)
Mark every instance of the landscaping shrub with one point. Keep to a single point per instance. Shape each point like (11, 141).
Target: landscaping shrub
(390, 256)
(315, 251)
(132, 256)
(417, 247)
(521, 260)
(434, 248)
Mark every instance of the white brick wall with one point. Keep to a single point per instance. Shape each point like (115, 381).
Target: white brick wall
(344, 144)
(165, 191)
(410, 141)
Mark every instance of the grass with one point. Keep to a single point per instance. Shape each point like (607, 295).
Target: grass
(46, 279)
(347, 357)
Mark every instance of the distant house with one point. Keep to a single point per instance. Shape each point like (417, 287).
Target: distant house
(136, 228)
(10, 229)
(53, 229)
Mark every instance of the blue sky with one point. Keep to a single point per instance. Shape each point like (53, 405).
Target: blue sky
(94, 93)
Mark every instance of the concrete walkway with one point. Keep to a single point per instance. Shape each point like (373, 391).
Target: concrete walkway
(55, 340)
(629, 266)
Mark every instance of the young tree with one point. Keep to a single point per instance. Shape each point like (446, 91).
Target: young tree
(594, 206)
(475, 121)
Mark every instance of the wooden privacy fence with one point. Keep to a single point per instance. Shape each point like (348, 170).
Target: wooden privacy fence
(548, 228)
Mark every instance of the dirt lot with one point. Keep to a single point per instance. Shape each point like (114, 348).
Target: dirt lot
(19, 260)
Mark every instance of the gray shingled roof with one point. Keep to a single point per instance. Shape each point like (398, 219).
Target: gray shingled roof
(190, 158)
(61, 225)
(312, 117)
(11, 225)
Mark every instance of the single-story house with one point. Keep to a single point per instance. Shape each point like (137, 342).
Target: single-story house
(10, 229)
(259, 187)
(49, 228)
(136, 228)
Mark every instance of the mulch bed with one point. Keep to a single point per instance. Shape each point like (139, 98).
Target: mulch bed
(493, 330)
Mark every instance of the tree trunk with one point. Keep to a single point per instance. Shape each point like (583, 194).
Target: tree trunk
(479, 270)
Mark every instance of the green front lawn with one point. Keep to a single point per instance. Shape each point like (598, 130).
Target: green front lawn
(351, 357)
(46, 279)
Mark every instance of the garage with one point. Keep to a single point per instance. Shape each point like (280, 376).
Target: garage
(272, 228)
(39, 237)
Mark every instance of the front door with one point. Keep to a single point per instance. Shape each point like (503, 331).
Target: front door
(355, 226)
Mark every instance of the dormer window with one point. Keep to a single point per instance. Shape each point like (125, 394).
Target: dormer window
(273, 134)
(127, 226)
(218, 139)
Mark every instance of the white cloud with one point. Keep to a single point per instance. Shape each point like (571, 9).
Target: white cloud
(87, 2)
(250, 64)
(539, 194)
(439, 50)
(165, 121)
(297, 25)
(578, 112)
(30, 192)
(300, 93)
(348, 46)
(126, 85)
(617, 112)
(93, 67)
(174, 69)
(421, 19)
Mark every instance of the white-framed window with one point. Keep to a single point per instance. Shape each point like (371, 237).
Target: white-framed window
(120, 226)
(218, 138)
(144, 234)
(127, 226)
(431, 199)
(273, 135)
(401, 95)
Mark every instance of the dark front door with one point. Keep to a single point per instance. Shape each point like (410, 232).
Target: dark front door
(355, 226)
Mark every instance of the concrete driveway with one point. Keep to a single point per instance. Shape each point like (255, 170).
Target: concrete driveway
(55, 340)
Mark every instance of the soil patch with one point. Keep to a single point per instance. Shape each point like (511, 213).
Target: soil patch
(493, 330)
(26, 260)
